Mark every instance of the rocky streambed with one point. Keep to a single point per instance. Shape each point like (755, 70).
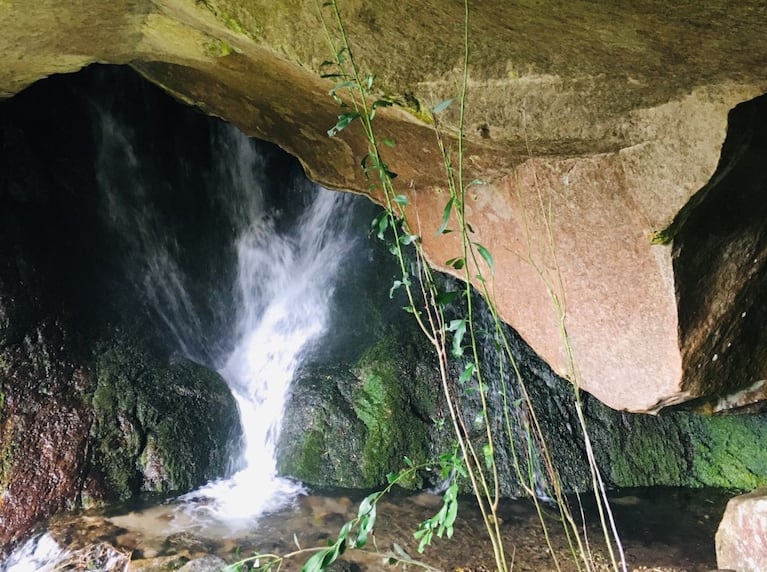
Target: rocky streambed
(662, 529)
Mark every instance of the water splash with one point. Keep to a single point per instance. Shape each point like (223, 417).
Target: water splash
(41, 553)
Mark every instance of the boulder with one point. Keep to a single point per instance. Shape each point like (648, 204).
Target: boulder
(158, 426)
(741, 540)
(613, 143)
(351, 424)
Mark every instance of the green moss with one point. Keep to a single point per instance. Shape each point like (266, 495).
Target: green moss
(232, 16)
(215, 48)
(306, 461)
(681, 448)
(645, 454)
(393, 431)
(662, 237)
(729, 452)
(8, 448)
(158, 426)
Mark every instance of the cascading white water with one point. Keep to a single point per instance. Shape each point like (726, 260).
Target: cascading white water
(284, 285)
(282, 292)
(40, 553)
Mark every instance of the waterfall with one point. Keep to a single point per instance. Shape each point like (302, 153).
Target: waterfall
(275, 304)
(283, 292)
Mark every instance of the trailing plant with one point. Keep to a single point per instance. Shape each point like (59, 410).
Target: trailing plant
(458, 340)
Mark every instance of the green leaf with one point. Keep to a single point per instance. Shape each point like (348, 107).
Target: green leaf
(487, 452)
(485, 253)
(408, 461)
(344, 532)
(401, 200)
(343, 121)
(389, 143)
(367, 518)
(467, 373)
(475, 182)
(400, 552)
(341, 85)
(317, 562)
(376, 105)
(444, 298)
(399, 284)
(441, 106)
(367, 506)
(382, 222)
(458, 327)
(425, 536)
(369, 81)
(457, 263)
(445, 217)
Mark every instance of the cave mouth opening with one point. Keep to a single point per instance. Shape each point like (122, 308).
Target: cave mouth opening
(131, 220)
(47, 202)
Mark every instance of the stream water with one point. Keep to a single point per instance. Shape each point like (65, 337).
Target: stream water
(669, 530)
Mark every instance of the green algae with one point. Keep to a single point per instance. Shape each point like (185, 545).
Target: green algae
(306, 462)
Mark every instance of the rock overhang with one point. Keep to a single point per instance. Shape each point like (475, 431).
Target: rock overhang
(614, 117)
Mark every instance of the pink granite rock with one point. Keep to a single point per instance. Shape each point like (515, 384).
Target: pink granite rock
(741, 541)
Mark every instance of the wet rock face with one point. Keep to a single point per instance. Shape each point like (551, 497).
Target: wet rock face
(347, 416)
(720, 264)
(351, 424)
(45, 417)
(157, 426)
(44, 436)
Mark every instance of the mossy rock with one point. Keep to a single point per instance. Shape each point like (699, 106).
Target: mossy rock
(351, 425)
(680, 448)
(159, 426)
(386, 401)
(321, 438)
